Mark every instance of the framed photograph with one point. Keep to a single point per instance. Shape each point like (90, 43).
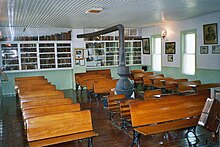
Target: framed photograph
(133, 32)
(204, 49)
(216, 49)
(210, 33)
(146, 45)
(79, 54)
(77, 62)
(81, 62)
(170, 58)
(170, 47)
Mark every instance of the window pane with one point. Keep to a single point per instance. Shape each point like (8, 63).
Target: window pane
(158, 45)
(156, 56)
(189, 64)
(190, 43)
(157, 62)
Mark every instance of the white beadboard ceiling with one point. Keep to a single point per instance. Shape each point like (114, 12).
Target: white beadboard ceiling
(71, 13)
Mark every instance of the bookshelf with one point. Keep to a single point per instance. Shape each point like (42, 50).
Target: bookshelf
(106, 53)
(28, 56)
(47, 55)
(64, 55)
(40, 55)
(46, 50)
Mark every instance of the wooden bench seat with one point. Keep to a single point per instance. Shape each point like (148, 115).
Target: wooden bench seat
(45, 103)
(171, 85)
(125, 111)
(24, 79)
(159, 82)
(29, 78)
(165, 114)
(149, 94)
(90, 84)
(113, 107)
(48, 110)
(30, 85)
(41, 93)
(41, 111)
(184, 87)
(49, 97)
(148, 80)
(202, 87)
(138, 77)
(27, 82)
(60, 128)
(104, 86)
(83, 80)
(80, 77)
(36, 88)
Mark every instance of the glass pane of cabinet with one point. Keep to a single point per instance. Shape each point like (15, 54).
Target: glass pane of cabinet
(64, 58)
(96, 54)
(133, 52)
(28, 53)
(47, 55)
(112, 53)
(10, 59)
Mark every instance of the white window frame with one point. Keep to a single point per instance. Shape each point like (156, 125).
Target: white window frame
(188, 58)
(156, 55)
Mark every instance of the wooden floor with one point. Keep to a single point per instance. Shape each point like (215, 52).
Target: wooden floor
(12, 134)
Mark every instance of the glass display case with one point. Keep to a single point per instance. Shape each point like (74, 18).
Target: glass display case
(106, 53)
(36, 55)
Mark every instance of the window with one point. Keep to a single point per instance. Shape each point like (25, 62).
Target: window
(156, 53)
(188, 52)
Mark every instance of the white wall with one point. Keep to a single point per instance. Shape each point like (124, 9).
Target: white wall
(77, 42)
(204, 61)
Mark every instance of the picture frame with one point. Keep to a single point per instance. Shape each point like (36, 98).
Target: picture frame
(170, 58)
(77, 62)
(210, 33)
(146, 45)
(204, 49)
(170, 47)
(216, 49)
(79, 54)
(81, 62)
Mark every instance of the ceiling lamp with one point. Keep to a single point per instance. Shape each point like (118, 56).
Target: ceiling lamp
(94, 10)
